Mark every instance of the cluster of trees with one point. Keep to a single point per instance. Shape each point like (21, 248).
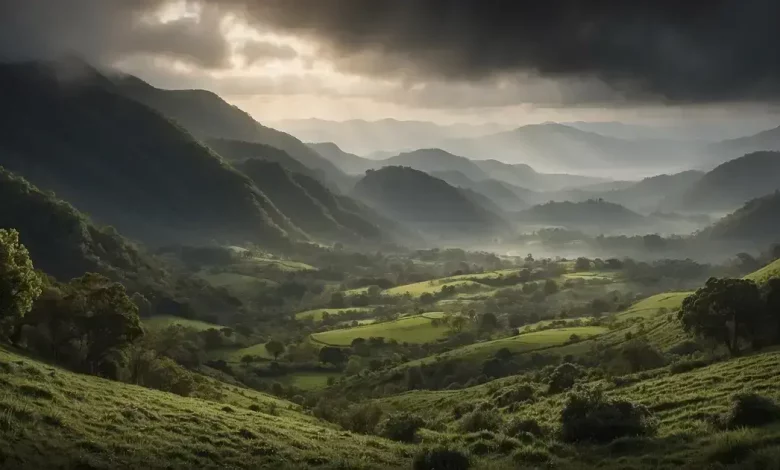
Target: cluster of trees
(735, 313)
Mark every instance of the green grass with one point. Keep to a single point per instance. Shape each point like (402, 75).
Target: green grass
(308, 380)
(432, 287)
(650, 306)
(591, 275)
(316, 315)
(163, 321)
(766, 273)
(233, 356)
(237, 284)
(52, 418)
(283, 265)
(413, 329)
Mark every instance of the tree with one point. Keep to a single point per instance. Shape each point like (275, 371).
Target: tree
(457, 323)
(582, 264)
(20, 285)
(488, 321)
(727, 311)
(337, 300)
(274, 348)
(550, 287)
(427, 298)
(331, 355)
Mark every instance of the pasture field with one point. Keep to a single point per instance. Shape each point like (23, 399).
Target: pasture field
(307, 380)
(432, 287)
(766, 273)
(411, 329)
(648, 307)
(53, 418)
(158, 322)
(283, 265)
(233, 356)
(237, 284)
(316, 315)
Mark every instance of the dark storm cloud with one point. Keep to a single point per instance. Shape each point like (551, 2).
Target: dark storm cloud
(685, 51)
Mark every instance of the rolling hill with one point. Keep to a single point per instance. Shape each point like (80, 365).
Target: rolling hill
(207, 116)
(732, 148)
(124, 164)
(237, 151)
(758, 222)
(591, 214)
(500, 193)
(431, 160)
(348, 163)
(308, 203)
(523, 176)
(426, 203)
(733, 183)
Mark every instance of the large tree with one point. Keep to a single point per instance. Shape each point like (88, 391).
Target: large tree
(274, 348)
(728, 311)
(20, 285)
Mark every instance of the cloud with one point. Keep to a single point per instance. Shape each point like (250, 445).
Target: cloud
(434, 53)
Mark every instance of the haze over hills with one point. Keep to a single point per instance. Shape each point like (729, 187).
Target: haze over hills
(733, 183)
(598, 215)
(733, 148)
(426, 203)
(125, 164)
(524, 176)
(758, 222)
(364, 137)
(348, 162)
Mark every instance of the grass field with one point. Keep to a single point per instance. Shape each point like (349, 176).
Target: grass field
(52, 418)
(283, 265)
(413, 329)
(316, 315)
(767, 272)
(308, 380)
(233, 356)
(591, 275)
(648, 307)
(432, 287)
(163, 321)
(237, 284)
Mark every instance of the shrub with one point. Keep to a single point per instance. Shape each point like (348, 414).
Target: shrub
(516, 394)
(686, 348)
(530, 455)
(479, 420)
(363, 418)
(589, 416)
(482, 447)
(440, 459)
(401, 427)
(751, 410)
(563, 377)
(518, 426)
(681, 367)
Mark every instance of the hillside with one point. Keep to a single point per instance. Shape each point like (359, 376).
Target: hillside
(56, 418)
(425, 203)
(500, 193)
(524, 176)
(124, 164)
(591, 214)
(347, 162)
(731, 148)
(560, 148)
(431, 160)
(758, 222)
(733, 183)
(207, 116)
(308, 203)
(237, 151)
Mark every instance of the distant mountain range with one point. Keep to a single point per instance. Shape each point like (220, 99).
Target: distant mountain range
(758, 222)
(364, 137)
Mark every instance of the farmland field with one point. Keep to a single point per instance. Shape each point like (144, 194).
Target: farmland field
(432, 287)
(413, 329)
(316, 315)
(648, 307)
(163, 321)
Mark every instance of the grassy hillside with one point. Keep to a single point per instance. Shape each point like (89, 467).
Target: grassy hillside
(316, 314)
(755, 222)
(124, 164)
(51, 418)
(426, 203)
(163, 321)
(769, 271)
(591, 214)
(414, 329)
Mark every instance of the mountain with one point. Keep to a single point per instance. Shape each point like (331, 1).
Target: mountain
(756, 222)
(559, 148)
(125, 164)
(237, 151)
(348, 162)
(431, 160)
(363, 137)
(728, 149)
(426, 203)
(207, 116)
(308, 203)
(524, 176)
(594, 215)
(500, 193)
(732, 184)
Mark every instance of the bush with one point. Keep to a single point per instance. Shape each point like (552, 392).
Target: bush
(401, 427)
(440, 459)
(479, 420)
(518, 426)
(363, 418)
(482, 447)
(516, 394)
(681, 367)
(589, 416)
(563, 378)
(751, 410)
(530, 455)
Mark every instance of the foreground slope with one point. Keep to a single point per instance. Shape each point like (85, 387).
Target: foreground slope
(123, 163)
(50, 417)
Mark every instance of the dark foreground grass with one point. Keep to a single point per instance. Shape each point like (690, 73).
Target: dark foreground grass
(52, 418)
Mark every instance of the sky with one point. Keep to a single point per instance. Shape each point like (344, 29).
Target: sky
(450, 61)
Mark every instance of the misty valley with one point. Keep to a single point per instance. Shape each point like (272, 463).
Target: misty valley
(185, 284)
